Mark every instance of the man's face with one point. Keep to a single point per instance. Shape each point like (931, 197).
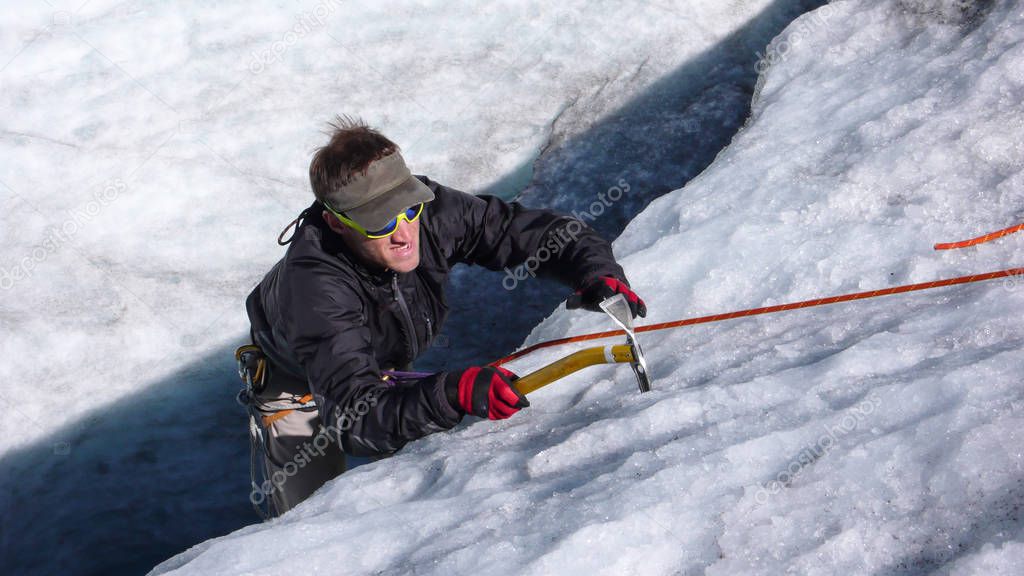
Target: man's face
(399, 252)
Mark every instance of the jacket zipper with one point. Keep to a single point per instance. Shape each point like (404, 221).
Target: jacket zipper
(410, 328)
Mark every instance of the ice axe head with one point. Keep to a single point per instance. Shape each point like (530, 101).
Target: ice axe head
(618, 309)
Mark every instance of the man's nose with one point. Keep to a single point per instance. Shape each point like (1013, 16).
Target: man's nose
(403, 234)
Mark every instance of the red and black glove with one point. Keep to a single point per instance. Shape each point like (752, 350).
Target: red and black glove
(485, 391)
(590, 296)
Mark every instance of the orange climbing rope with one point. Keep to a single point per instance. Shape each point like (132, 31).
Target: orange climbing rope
(770, 309)
(980, 239)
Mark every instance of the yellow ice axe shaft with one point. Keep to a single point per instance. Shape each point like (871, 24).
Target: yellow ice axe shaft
(572, 363)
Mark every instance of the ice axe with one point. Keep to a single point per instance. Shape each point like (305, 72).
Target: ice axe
(630, 352)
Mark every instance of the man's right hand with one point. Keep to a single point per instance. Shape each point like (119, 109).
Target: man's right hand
(485, 391)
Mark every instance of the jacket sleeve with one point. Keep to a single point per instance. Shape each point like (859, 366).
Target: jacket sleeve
(365, 414)
(495, 234)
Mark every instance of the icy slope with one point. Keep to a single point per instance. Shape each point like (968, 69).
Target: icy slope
(877, 437)
(646, 147)
(152, 150)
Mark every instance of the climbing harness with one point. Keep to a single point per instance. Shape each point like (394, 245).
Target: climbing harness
(253, 370)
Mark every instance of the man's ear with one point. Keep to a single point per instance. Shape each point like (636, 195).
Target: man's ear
(333, 223)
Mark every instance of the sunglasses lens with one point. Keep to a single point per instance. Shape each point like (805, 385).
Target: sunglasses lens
(386, 230)
(411, 214)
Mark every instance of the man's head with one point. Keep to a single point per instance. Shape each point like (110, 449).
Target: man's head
(362, 180)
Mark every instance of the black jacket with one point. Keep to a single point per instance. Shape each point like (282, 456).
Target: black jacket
(323, 316)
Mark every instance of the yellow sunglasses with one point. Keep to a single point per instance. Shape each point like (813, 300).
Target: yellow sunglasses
(410, 214)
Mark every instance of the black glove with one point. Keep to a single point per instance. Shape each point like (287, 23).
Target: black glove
(591, 295)
(485, 391)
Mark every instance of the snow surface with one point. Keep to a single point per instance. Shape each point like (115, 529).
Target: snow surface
(151, 151)
(875, 437)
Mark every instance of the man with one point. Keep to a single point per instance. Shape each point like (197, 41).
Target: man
(361, 292)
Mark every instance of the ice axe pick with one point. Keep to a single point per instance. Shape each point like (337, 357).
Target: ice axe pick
(630, 353)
